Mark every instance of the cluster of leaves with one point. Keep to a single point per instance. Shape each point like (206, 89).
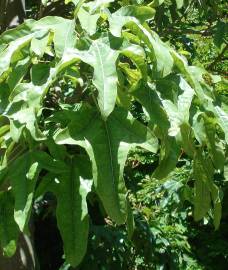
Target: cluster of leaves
(66, 92)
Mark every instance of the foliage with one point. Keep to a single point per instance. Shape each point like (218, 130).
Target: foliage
(66, 127)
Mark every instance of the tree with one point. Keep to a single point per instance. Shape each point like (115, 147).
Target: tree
(66, 90)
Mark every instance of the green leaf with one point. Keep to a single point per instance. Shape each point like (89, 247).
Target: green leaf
(127, 15)
(103, 59)
(179, 113)
(156, 3)
(64, 32)
(150, 100)
(47, 162)
(71, 192)
(137, 55)
(133, 17)
(22, 111)
(226, 169)
(222, 120)
(88, 21)
(13, 50)
(202, 200)
(217, 211)
(220, 36)
(40, 73)
(169, 154)
(19, 70)
(23, 174)
(40, 42)
(204, 188)
(130, 221)
(18, 32)
(8, 228)
(179, 3)
(108, 143)
(96, 4)
(159, 52)
(215, 147)
(187, 139)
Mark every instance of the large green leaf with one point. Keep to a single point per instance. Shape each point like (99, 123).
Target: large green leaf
(203, 177)
(71, 186)
(108, 143)
(103, 59)
(72, 213)
(206, 191)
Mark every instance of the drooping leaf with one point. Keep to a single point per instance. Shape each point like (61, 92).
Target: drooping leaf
(217, 206)
(72, 212)
(179, 113)
(108, 143)
(222, 120)
(169, 154)
(203, 178)
(215, 147)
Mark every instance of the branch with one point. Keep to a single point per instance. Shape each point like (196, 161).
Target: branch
(204, 33)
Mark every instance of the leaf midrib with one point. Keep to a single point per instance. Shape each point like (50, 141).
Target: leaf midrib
(103, 74)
